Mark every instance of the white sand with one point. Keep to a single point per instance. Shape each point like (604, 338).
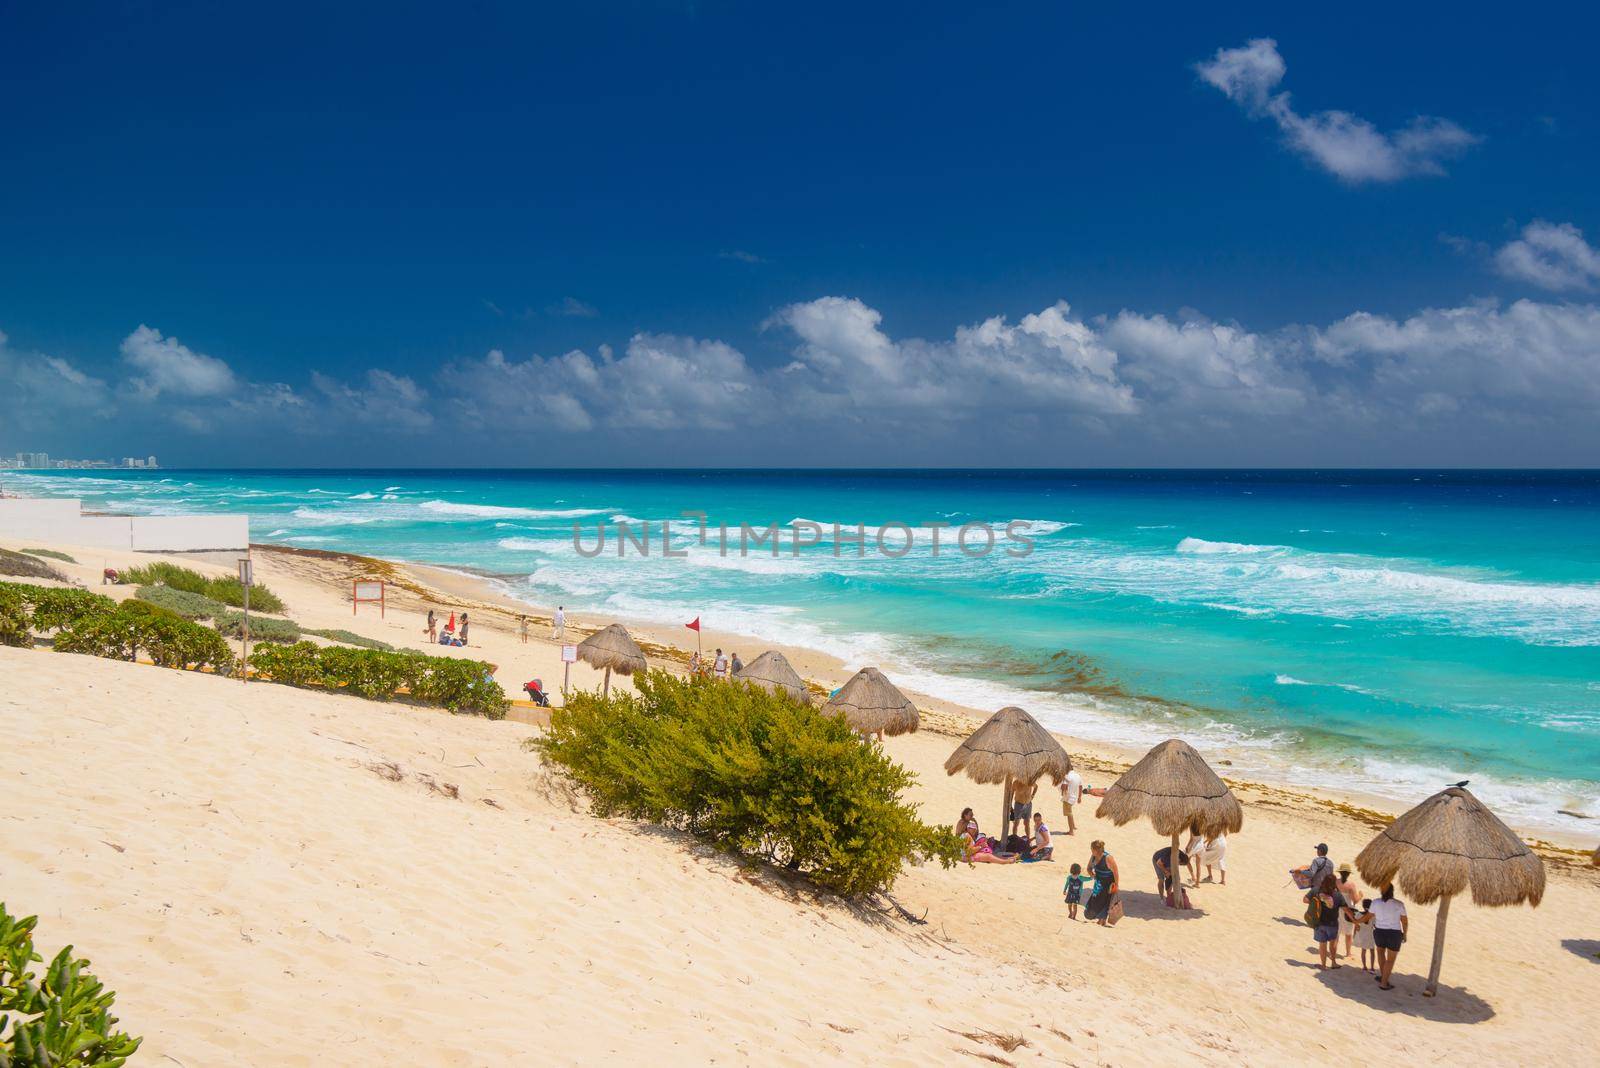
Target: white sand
(257, 893)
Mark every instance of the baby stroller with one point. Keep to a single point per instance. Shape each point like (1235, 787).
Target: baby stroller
(536, 693)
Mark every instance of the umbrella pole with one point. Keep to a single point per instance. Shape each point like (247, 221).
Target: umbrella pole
(1005, 814)
(607, 691)
(1172, 869)
(1438, 948)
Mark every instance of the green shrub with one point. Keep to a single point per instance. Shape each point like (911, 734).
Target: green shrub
(230, 624)
(224, 589)
(292, 665)
(457, 685)
(23, 566)
(181, 602)
(752, 772)
(54, 608)
(351, 638)
(170, 640)
(51, 553)
(59, 1020)
(16, 619)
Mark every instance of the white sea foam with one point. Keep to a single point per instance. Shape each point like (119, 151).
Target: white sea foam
(524, 544)
(1202, 547)
(391, 496)
(278, 533)
(363, 496)
(492, 511)
(390, 489)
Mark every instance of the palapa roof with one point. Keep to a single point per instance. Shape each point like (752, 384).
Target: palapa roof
(1447, 844)
(1174, 788)
(771, 671)
(1010, 742)
(870, 702)
(612, 648)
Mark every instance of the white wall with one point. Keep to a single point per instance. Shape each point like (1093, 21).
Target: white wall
(61, 521)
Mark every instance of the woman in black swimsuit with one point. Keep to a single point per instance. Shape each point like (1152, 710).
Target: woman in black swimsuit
(1104, 870)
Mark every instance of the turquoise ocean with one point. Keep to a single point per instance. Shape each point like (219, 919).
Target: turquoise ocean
(1389, 632)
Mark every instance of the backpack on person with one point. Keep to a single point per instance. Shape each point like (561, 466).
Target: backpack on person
(1313, 915)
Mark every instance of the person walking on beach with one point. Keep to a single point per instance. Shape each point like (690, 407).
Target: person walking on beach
(522, 628)
(738, 665)
(1071, 794)
(1310, 877)
(1072, 892)
(719, 666)
(1352, 894)
(1364, 940)
(1104, 869)
(1327, 907)
(463, 630)
(1390, 926)
(558, 623)
(1022, 807)
(433, 627)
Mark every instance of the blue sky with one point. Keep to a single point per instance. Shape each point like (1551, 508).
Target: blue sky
(722, 234)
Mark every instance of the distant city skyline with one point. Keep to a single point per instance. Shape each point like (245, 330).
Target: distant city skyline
(42, 461)
(959, 236)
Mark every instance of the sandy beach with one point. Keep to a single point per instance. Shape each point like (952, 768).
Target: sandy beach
(275, 876)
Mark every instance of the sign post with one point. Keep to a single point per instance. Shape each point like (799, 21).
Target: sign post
(246, 577)
(368, 590)
(569, 653)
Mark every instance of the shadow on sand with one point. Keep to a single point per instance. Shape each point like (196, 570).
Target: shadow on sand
(1141, 905)
(1452, 1005)
(1584, 947)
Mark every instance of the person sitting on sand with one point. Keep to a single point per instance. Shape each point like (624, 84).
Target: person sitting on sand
(1106, 883)
(980, 850)
(1022, 807)
(1329, 904)
(1389, 928)
(1042, 845)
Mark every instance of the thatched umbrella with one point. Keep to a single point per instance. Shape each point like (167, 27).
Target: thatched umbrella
(871, 704)
(771, 671)
(612, 648)
(1443, 846)
(1009, 746)
(1175, 789)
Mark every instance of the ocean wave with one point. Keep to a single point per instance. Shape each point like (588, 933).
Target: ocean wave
(494, 511)
(278, 533)
(524, 544)
(1202, 547)
(363, 497)
(307, 538)
(390, 489)
(391, 496)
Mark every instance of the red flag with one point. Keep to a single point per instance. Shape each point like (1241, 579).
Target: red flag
(695, 625)
(452, 624)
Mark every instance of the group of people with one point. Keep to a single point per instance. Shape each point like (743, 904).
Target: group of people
(454, 632)
(1378, 928)
(717, 666)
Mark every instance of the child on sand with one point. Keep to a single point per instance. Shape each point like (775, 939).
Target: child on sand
(1363, 937)
(1073, 891)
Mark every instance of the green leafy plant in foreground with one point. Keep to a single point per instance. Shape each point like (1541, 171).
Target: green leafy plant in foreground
(457, 685)
(168, 639)
(59, 1020)
(181, 602)
(752, 772)
(54, 608)
(16, 617)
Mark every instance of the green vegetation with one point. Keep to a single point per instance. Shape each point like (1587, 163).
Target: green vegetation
(169, 640)
(262, 628)
(56, 608)
(752, 772)
(23, 566)
(51, 553)
(16, 619)
(352, 638)
(457, 685)
(226, 590)
(60, 1020)
(181, 602)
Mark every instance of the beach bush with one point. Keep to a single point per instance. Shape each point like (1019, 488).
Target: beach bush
(16, 618)
(230, 624)
(24, 566)
(222, 588)
(752, 772)
(53, 554)
(168, 639)
(181, 602)
(60, 1019)
(466, 686)
(351, 638)
(54, 608)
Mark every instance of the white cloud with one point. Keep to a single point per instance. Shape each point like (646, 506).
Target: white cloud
(386, 401)
(1345, 145)
(1552, 256)
(167, 366)
(46, 392)
(573, 308)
